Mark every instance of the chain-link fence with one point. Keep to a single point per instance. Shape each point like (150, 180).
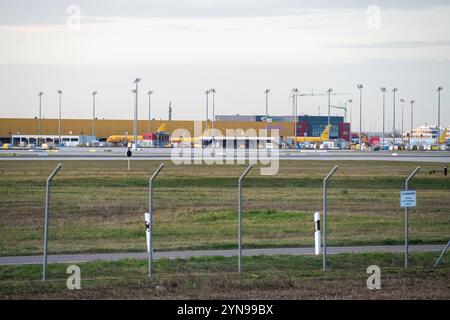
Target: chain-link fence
(98, 207)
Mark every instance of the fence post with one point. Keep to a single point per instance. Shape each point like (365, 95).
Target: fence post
(240, 215)
(150, 222)
(47, 207)
(442, 254)
(325, 203)
(407, 216)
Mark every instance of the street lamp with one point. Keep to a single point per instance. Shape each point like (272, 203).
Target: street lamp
(412, 124)
(93, 112)
(360, 87)
(213, 91)
(403, 107)
(59, 121)
(329, 104)
(439, 89)
(383, 90)
(393, 122)
(135, 126)
(40, 112)
(294, 97)
(267, 109)
(207, 115)
(350, 102)
(149, 110)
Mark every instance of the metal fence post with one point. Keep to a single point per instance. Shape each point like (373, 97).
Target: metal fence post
(150, 211)
(47, 207)
(240, 216)
(442, 254)
(325, 203)
(407, 216)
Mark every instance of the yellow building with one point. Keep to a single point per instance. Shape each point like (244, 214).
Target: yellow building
(105, 128)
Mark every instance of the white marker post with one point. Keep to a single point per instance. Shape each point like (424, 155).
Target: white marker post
(317, 233)
(147, 229)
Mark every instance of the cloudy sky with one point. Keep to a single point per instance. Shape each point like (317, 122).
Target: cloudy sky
(181, 48)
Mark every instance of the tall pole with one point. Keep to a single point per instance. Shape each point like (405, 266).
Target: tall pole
(135, 126)
(360, 87)
(403, 110)
(294, 99)
(59, 121)
(93, 112)
(40, 112)
(329, 105)
(412, 124)
(439, 89)
(149, 111)
(350, 102)
(213, 91)
(267, 110)
(207, 115)
(383, 90)
(393, 122)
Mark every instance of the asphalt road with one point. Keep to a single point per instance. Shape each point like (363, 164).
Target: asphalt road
(106, 154)
(77, 258)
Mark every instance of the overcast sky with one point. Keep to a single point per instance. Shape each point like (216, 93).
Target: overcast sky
(181, 48)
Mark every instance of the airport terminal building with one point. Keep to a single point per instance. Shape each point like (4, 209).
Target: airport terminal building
(311, 126)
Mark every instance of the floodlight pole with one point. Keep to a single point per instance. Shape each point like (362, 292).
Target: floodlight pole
(412, 124)
(149, 111)
(213, 91)
(207, 115)
(135, 124)
(407, 216)
(240, 216)
(47, 207)
(393, 122)
(267, 111)
(294, 97)
(329, 105)
(150, 211)
(40, 113)
(93, 112)
(350, 102)
(383, 90)
(325, 203)
(59, 121)
(360, 87)
(439, 117)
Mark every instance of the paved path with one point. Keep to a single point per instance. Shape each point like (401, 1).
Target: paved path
(76, 258)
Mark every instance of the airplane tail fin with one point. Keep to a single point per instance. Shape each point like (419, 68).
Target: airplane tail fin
(162, 127)
(326, 134)
(443, 136)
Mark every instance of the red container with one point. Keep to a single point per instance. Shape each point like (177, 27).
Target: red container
(302, 128)
(344, 131)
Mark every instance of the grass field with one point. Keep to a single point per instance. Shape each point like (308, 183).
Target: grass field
(275, 277)
(98, 206)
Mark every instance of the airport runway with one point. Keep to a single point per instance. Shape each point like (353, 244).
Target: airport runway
(77, 258)
(106, 154)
